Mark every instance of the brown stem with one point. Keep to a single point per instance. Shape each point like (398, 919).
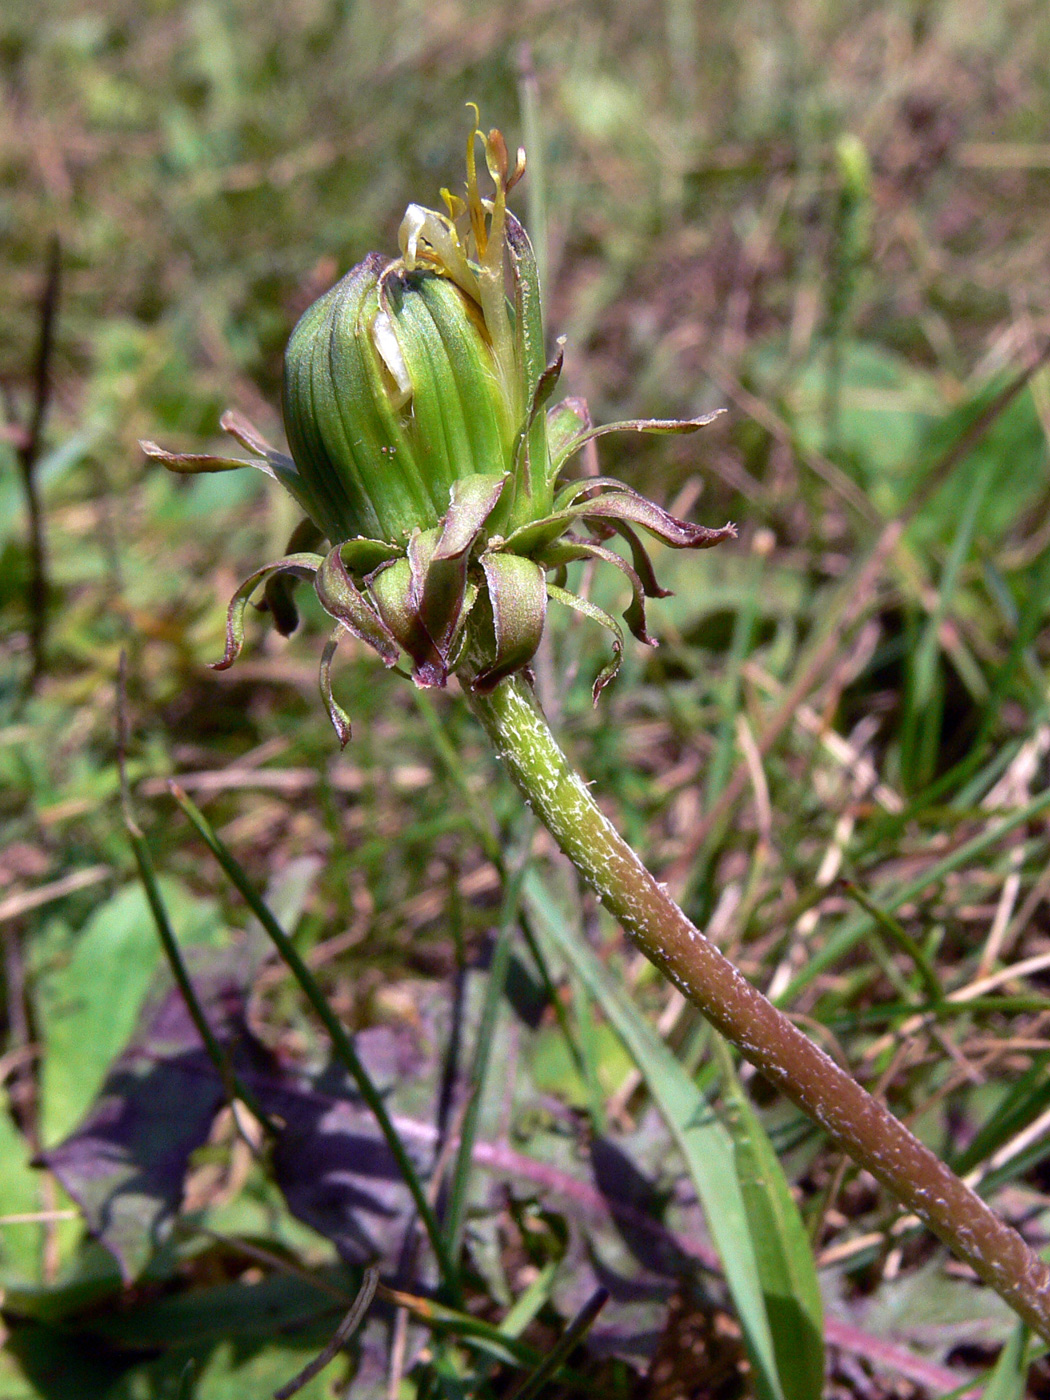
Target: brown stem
(773, 1044)
(28, 453)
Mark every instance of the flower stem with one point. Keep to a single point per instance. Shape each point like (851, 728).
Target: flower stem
(859, 1124)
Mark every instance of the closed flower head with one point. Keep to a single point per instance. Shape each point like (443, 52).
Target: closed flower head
(424, 453)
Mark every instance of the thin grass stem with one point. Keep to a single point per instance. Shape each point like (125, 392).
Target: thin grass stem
(346, 1329)
(563, 1347)
(233, 1085)
(899, 935)
(341, 1041)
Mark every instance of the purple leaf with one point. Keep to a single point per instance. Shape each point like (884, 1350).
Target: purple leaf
(126, 1163)
(339, 1177)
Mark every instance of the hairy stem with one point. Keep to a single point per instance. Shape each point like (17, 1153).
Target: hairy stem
(858, 1123)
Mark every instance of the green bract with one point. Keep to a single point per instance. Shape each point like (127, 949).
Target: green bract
(392, 395)
(424, 453)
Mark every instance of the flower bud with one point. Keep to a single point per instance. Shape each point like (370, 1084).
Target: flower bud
(392, 394)
(423, 450)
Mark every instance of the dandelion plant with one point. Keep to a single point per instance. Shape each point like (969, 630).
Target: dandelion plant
(440, 518)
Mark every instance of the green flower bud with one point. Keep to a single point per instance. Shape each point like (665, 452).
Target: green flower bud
(392, 394)
(422, 449)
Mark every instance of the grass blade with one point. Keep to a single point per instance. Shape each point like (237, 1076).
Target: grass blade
(341, 1041)
(703, 1141)
(564, 1346)
(232, 1083)
(924, 708)
(346, 1329)
(782, 1248)
(1009, 1378)
(471, 1331)
(186, 1379)
(897, 934)
(1022, 1105)
(852, 930)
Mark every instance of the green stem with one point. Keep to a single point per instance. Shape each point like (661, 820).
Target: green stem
(563, 1347)
(788, 1059)
(233, 1086)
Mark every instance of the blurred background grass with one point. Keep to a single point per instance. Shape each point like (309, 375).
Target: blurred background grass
(835, 224)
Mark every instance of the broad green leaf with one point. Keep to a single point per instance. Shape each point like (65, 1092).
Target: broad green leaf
(782, 1248)
(924, 697)
(20, 1194)
(886, 407)
(53, 1365)
(553, 1069)
(229, 1375)
(89, 996)
(704, 1142)
(853, 928)
(1009, 1377)
(13, 1384)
